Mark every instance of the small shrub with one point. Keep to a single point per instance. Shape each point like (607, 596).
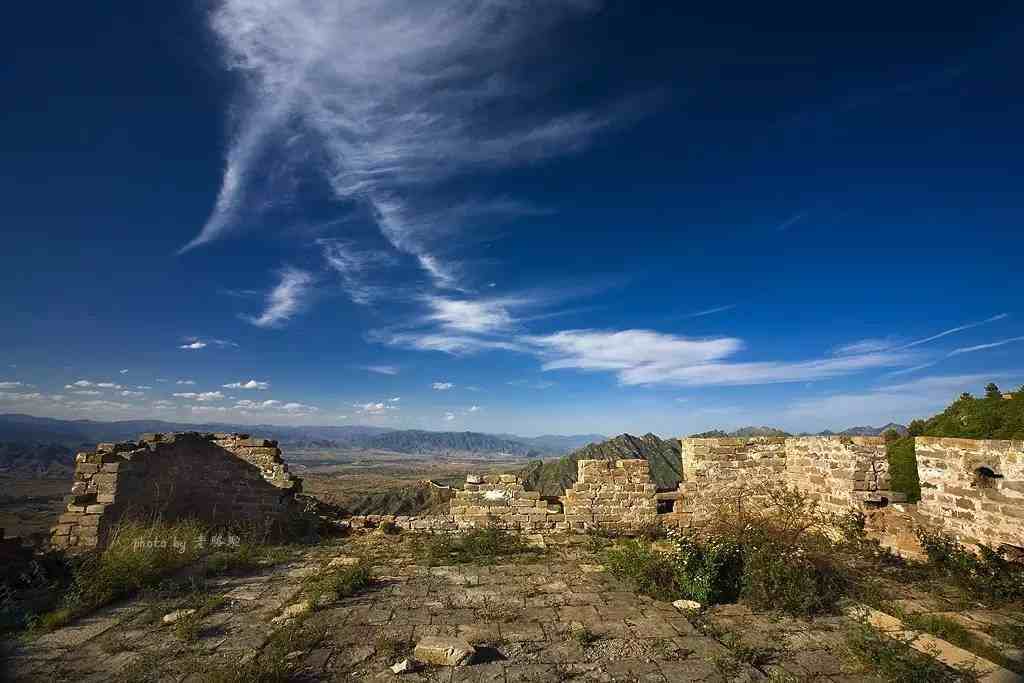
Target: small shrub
(988, 575)
(583, 635)
(335, 584)
(798, 582)
(652, 573)
(188, 629)
(710, 573)
(477, 546)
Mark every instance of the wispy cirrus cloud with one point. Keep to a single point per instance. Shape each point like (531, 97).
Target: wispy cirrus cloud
(710, 311)
(285, 300)
(442, 386)
(397, 97)
(382, 369)
(357, 267)
(954, 330)
(193, 346)
(982, 347)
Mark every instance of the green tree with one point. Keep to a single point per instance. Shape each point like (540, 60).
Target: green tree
(992, 391)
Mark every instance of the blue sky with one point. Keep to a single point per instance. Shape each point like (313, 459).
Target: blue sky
(529, 217)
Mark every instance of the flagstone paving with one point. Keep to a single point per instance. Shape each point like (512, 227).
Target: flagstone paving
(560, 618)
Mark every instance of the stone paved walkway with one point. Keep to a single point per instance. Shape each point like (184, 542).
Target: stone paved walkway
(519, 616)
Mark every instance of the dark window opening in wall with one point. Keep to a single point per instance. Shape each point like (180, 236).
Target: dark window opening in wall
(554, 504)
(875, 503)
(985, 478)
(666, 507)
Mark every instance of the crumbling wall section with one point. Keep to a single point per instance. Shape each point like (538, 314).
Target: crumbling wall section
(501, 501)
(217, 478)
(841, 472)
(972, 489)
(611, 494)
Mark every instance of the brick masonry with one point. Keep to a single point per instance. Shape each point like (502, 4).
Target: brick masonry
(960, 495)
(971, 489)
(226, 479)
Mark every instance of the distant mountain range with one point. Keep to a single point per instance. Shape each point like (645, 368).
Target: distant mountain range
(34, 445)
(772, 431)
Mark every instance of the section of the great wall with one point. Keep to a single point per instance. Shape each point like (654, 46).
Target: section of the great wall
(973, 490)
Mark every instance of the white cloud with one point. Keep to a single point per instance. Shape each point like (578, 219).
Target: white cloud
(645, 357)
(372, 408)
(381, 369)
(251, 384)
(453, 344)
(194, 345)
(473, 409)
(87, 392)
(982, 347)
(268, 404)
(187, 382)
(398, 97)
(475, 317)
(132, 394)
(449, 417)
(394, 399)
(10, 385)
(124, 371)
(143, 387)
(201, 396)
(286, 300)
(85, 384)
(442, 386)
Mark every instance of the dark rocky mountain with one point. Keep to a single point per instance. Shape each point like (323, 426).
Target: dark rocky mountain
(423, 498)
(874, 431)
(553, 477)
(36, 460)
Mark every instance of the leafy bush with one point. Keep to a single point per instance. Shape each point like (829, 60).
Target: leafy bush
(792, 580)
(711, 572)
(987, 574)
(338, 583)
(653, 573)
(766, 544)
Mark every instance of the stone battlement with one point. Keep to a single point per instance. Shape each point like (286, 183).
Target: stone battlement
(217, 478)
(971, 489)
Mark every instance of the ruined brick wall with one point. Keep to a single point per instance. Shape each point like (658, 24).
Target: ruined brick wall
(217, 478)
(614, 494)
(840, 472)
(501, 501)
(958, 495)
